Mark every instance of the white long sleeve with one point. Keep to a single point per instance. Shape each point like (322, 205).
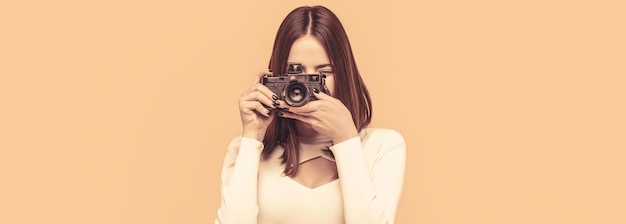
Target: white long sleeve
(371, 194)
(239, 182)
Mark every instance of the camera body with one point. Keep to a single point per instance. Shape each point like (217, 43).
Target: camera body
(295, 88)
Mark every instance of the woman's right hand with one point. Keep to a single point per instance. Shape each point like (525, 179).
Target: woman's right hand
(256, 107)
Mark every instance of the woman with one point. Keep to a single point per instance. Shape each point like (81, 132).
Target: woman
(316, 163)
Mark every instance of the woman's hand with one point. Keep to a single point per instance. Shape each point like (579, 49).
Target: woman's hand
(255, 106)
(326, 115)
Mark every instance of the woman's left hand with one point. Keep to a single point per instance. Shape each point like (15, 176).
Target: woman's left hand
(326, 115)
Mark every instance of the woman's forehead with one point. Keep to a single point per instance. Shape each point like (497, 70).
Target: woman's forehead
(308, 51)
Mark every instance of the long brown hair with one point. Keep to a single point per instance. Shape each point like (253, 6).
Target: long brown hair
(324, 25)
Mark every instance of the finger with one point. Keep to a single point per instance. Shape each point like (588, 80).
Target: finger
(259, 97)
(321, 95)
(252, 106)
(258, 86)
(309, 107)
(299, 117)
(260, 75)
(266, 91)
(282, 105)
(258, 79)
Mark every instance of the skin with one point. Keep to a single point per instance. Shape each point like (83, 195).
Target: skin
(326, 116)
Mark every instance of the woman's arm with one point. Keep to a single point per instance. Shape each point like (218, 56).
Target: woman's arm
(241, 165)
(239, 182)
(371, 197)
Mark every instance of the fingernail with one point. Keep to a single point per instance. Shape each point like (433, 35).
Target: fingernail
(285, 108)
(274, 97)
(279, 113)
(269, 112)
(275, 103)
(316, 90)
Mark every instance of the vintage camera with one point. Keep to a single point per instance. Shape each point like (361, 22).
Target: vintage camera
(295, 88)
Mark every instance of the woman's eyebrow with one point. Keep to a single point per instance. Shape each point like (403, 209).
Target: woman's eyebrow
(322, 65)
(318, 66)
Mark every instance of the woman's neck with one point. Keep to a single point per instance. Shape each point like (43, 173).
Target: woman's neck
(307, 133)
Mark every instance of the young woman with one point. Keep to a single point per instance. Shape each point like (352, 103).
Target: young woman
(316, 163)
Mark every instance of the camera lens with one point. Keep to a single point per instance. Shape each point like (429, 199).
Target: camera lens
(296, 94)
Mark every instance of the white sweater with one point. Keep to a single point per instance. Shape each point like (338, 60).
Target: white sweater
(371, 171)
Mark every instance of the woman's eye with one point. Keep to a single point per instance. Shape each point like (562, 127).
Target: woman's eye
(326, 71)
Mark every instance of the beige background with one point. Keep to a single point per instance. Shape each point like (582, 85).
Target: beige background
(121, 111)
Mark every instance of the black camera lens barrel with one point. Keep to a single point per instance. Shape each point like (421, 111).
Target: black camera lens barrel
(297, 94)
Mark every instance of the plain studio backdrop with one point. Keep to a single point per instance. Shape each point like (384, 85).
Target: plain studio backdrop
(121, 111)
